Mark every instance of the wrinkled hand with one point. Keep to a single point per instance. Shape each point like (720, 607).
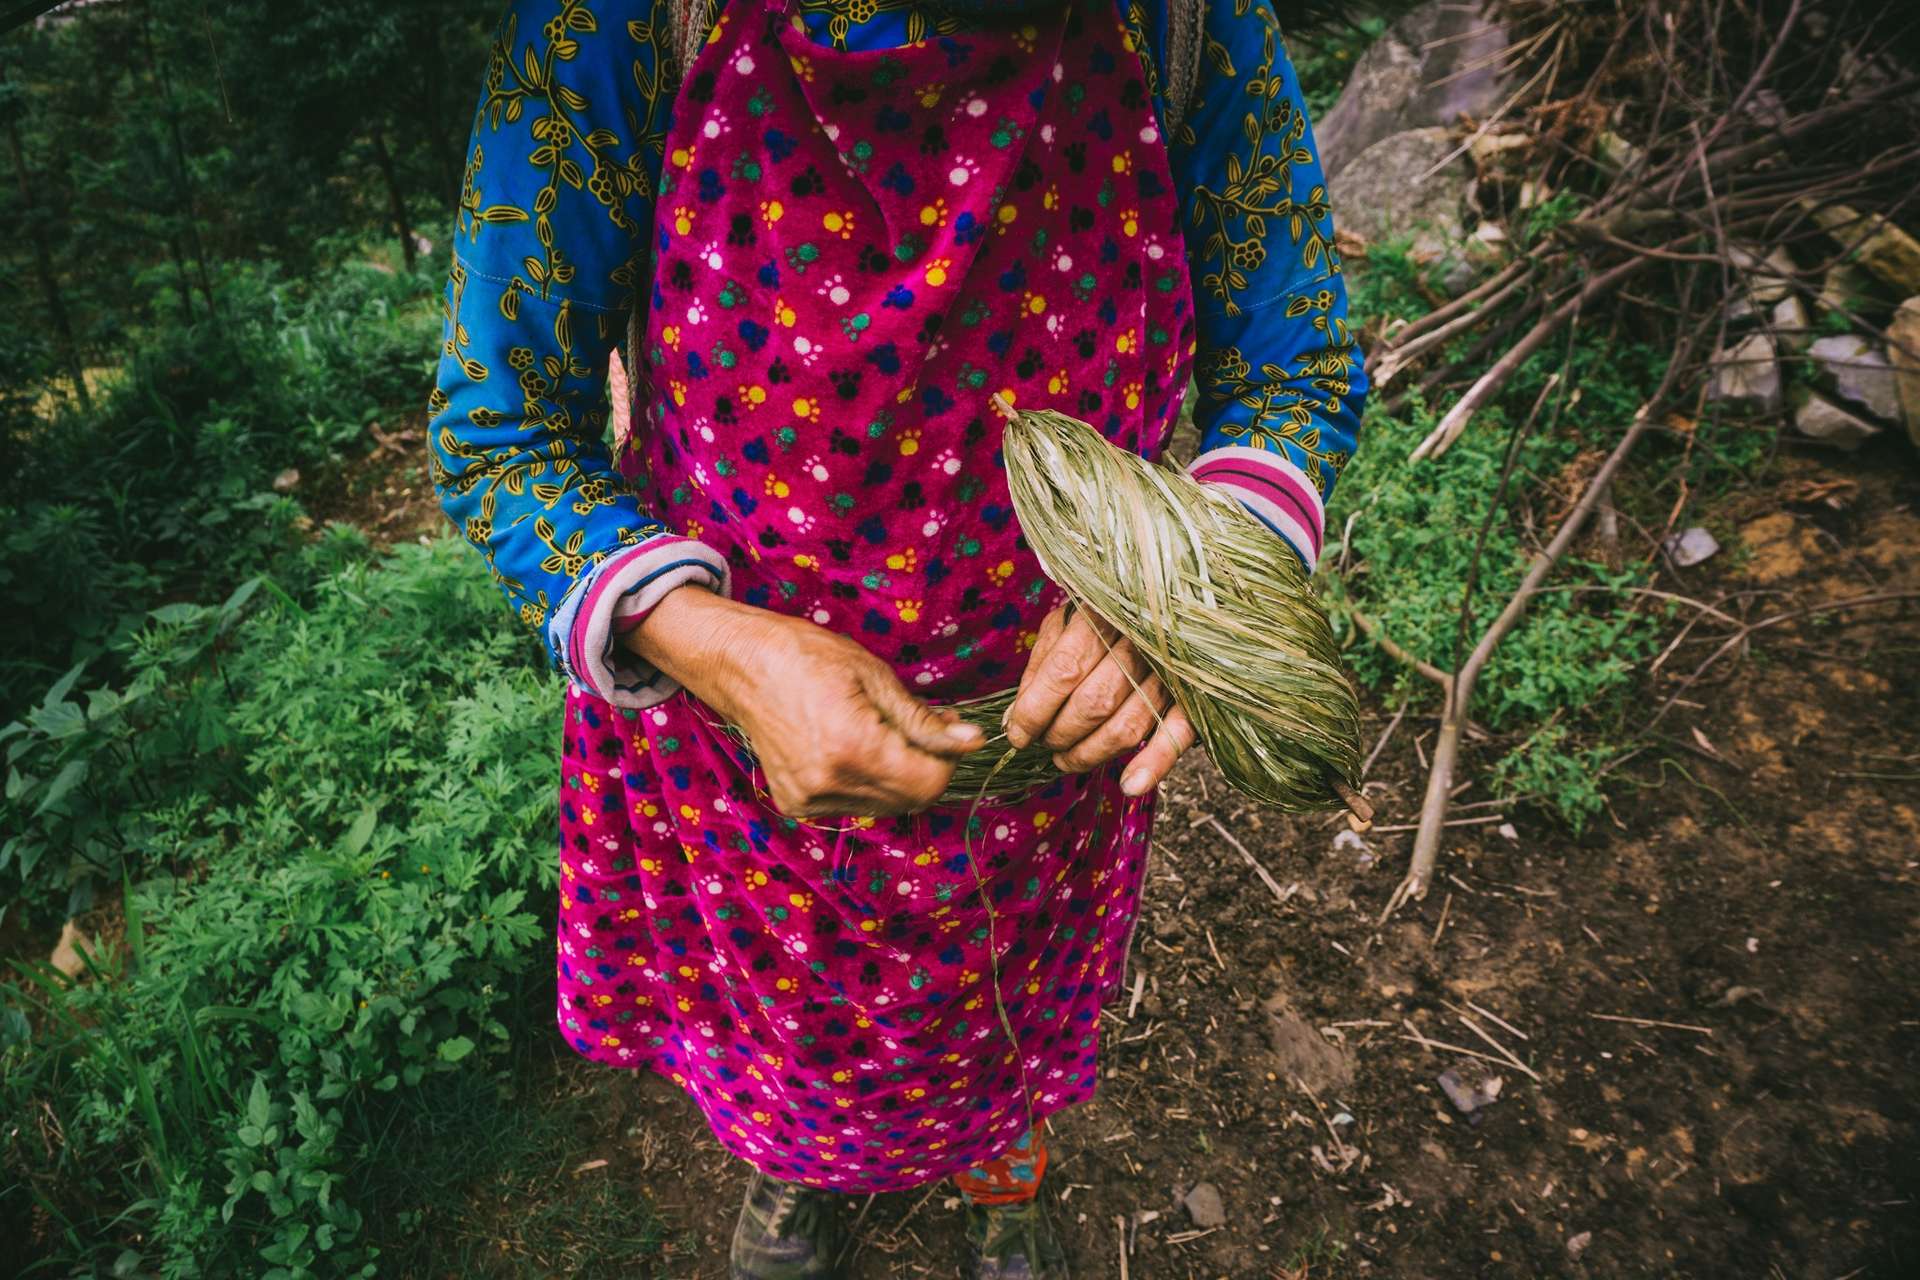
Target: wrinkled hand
(834, 730)
(1090, 697)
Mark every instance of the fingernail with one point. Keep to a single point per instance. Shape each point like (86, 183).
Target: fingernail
(1134, 783)
(1018, 737)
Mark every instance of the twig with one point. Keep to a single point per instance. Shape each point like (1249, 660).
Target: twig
(1441, 928)
(1392, 649)
(1427, 1042)
(1497, 1020)
(1381, 745)
(1446, 751)
(1475, 1027)
(1652, 1022)
(1740, 636)
(1252, 861)
(1490, 382)
(1441, 315)
(1120, 1225)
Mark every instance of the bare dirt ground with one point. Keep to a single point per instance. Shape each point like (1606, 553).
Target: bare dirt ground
(1710, 993)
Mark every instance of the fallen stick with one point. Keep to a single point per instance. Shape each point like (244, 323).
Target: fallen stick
(1252, 861)
(1459, 690)
(1651, 1022)
(1488, 384)
(1474, 1027)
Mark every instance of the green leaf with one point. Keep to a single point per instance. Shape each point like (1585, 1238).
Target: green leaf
(64, 683)
(71, 775)
(455, 1049)
(258, 1109)
(362, 830)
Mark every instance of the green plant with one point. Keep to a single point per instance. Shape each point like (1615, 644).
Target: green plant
(322, 925)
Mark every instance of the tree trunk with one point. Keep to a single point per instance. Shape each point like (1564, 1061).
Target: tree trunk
(43, 267)
(396, 206)
(190, 205)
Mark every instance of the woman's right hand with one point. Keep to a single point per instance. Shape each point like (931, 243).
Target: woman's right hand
(833, 728)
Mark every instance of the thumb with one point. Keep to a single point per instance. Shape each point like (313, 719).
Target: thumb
(917, 722)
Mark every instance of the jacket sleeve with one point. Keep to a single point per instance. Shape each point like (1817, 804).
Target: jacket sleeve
(554, 223)
(1280, 380)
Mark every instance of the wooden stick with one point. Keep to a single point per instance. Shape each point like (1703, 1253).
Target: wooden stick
(1489, 383)
(1652, 1022)
(1252, 861)
(1474, 1027)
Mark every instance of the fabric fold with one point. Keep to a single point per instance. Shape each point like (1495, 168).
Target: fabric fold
(1278, 493)
(615, 597)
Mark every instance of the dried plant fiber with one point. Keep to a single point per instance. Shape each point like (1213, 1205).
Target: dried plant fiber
(1211, 599)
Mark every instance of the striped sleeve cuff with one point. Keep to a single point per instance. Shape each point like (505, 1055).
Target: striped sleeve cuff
(1273, 489)
(614, 598)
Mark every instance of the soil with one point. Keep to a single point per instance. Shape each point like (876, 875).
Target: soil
(1709, 992)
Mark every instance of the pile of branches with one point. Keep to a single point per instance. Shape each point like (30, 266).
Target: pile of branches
(1706, 140)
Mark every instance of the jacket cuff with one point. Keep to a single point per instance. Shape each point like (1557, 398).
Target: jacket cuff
(1278, 493)
(616, 596)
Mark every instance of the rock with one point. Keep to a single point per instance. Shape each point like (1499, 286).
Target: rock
(66, 955)
(1437, 63)
(1691, 546)
(1471, 1088)
(1389, 191)
(1765, 280)
(1301, 1052)
(1204, 1206)
(1849, 289)
(1615, 154)
(1792, 326)
(1577, 1244)
(1819, 418)
(1903, 351)
(1747, 376)
(287, 480)
(1877, 244)
(1858, 373)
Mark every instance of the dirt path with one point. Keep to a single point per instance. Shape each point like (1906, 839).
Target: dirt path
(1754, 885)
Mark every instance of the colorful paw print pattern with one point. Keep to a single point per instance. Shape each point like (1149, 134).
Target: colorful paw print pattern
(827, 995)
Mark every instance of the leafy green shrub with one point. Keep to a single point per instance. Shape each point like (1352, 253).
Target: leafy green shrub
(165, 490)
(342, 899)
(1559, 680)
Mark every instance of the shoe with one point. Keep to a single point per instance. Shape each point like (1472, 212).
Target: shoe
(786, 1232)
(1014, 1242)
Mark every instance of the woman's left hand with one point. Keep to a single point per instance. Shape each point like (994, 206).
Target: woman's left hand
(1090, 697)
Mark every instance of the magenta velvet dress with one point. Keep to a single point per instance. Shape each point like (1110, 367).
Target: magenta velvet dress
(950, 219)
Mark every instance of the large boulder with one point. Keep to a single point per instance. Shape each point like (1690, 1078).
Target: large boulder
(1819, 418)
(1406, 184)
(1858, 374)
(1903, 349)
(1437, 63)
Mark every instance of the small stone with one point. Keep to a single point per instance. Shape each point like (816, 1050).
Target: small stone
(1349, 841)
(1690, 546)
(1819, 418)
(1858, 373)
(1792, 327)
(1766, 276)
(1577, 1244)
(1747, 376)
(287, 480)
(1508, 832)
(1204, 1206)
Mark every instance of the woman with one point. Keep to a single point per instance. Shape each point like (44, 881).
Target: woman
(847, 223)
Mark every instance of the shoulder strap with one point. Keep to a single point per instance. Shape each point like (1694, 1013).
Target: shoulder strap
(1186, 37)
